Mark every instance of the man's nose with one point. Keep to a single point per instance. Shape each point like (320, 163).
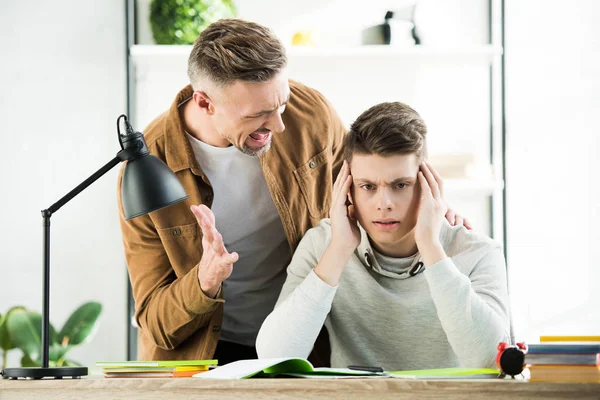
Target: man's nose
(275, 123)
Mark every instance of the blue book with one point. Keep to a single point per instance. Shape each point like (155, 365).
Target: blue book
(563, 348)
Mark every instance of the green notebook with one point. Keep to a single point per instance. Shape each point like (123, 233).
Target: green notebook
(447, 373)
(137, 364)
(274, 367)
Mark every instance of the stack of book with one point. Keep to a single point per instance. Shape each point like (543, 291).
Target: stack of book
(564, 359)
(154, 369)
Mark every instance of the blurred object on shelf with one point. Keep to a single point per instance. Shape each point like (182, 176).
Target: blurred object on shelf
(304, 38)
(461, 166)
(398, 29)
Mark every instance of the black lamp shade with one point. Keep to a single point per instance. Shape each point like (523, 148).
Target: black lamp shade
(148, 185)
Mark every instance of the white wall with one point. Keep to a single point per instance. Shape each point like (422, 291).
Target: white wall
(553, 149)
(62, 85)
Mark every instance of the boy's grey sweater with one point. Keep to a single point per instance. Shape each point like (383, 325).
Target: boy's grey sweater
(388, 312)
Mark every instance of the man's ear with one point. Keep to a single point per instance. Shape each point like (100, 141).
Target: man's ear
(204, 102)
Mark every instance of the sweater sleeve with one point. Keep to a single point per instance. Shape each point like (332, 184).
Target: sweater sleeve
(474, 309)
(303, 305)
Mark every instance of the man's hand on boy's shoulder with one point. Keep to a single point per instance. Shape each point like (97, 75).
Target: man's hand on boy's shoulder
(455, 219)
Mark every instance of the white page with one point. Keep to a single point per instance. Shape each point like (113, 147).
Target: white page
(240, 369)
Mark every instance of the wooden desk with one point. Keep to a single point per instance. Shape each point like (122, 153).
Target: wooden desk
(331, 389)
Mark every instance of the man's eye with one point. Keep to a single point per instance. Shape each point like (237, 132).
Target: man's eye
(401, 185)
(367, 187)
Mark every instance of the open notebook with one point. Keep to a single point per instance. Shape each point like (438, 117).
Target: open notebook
(271, 367)
(301, 368)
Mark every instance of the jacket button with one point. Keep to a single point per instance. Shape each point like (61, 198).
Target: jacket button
(216, 328)
(176, 232)
(311, 164)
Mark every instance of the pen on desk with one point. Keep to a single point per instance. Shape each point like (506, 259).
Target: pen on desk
(365, 368)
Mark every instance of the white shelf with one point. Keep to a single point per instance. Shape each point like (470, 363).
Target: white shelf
(482, 53)
(488, 187)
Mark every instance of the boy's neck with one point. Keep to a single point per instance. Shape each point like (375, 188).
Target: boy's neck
(405, 247)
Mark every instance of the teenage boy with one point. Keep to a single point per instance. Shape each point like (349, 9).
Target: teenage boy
(395, 284)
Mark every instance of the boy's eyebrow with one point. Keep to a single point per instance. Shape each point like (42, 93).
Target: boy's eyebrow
(397, 180)
(263, 112)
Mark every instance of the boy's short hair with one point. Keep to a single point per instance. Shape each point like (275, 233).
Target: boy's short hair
(387, 129)
(234, 49)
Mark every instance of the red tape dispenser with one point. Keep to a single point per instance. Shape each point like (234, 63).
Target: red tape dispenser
(511, 359)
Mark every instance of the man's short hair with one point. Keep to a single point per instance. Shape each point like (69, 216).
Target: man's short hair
(387, 129)
(234, 49)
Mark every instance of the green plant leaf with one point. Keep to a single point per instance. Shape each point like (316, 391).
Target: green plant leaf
(5, 342)
(71, 363)
(56, 352)
(181, 21)
(26, 361)
(81, 325)
(25, 330)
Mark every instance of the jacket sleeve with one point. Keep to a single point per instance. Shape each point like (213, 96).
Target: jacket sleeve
(303, 305)
(169, 308)
(474, 309)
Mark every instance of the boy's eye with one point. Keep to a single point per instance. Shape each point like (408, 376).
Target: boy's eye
(367, 186)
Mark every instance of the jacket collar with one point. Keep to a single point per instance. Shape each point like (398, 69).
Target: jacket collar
(178, 150)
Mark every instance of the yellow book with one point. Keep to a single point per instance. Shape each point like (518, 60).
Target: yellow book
(569, 339)
(163, 364)
(116, 370)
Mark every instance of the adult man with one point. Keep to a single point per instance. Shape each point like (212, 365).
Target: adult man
(258, 153)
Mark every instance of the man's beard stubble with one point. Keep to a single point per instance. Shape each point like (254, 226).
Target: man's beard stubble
(255, 152)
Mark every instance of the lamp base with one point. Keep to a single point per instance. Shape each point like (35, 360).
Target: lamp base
(40, 373)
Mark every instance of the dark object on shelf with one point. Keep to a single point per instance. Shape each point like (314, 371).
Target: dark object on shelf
(148, 185)
(398, 28)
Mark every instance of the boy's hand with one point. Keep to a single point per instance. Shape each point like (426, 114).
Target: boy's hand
(345, 234)
(432, 211)
(216, 264)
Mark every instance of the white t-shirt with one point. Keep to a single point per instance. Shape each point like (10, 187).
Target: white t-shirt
(247, 218)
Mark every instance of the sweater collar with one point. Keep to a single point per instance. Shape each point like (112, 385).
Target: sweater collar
(411, 266)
